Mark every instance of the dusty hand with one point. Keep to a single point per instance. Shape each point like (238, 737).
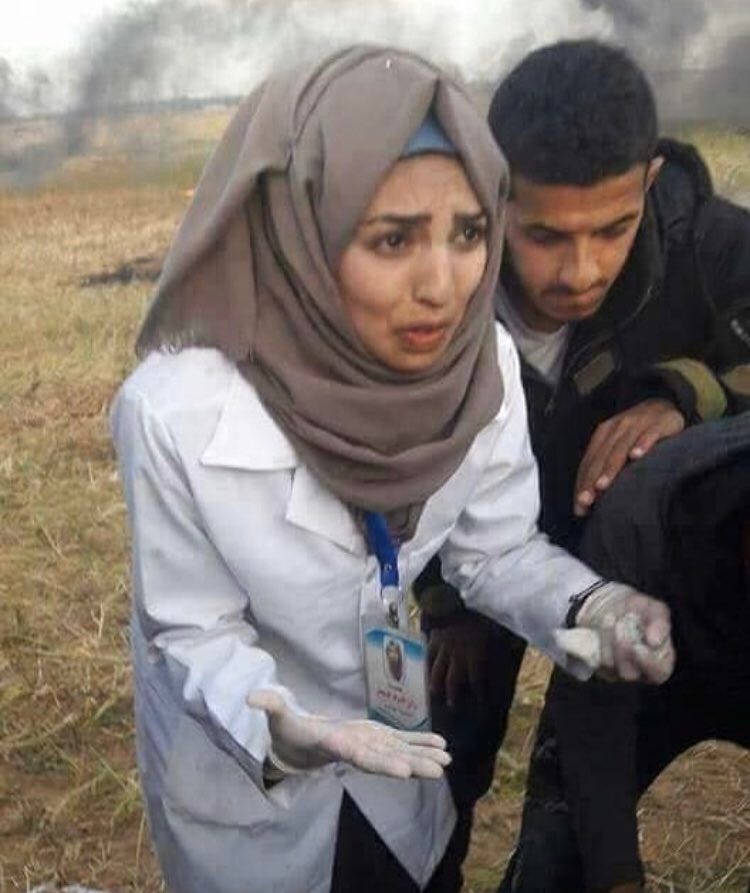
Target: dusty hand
(628, 435)
(458, 655)
(624, 633)
(308, 742)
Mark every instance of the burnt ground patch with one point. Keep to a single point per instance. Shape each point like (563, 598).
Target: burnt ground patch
(140, 269)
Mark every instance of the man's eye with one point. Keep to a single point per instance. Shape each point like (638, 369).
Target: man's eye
(614, 232)
(543, 237)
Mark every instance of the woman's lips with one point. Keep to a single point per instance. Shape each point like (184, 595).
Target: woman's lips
(422, 339)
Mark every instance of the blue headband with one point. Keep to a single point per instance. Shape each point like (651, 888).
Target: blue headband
(429, 137)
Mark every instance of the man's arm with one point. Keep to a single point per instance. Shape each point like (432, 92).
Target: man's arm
(626, 436)
(687, 390)
(717, 382)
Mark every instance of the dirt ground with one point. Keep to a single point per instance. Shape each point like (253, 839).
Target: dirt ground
(69, 802)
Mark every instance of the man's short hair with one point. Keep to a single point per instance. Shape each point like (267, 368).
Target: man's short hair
(575, 112)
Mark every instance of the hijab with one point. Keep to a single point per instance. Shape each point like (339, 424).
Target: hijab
(251, 271)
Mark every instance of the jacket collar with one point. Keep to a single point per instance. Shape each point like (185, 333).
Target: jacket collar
(246, 438)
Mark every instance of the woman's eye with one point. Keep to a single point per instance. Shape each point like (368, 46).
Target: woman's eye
(389, 242)
(472, 233)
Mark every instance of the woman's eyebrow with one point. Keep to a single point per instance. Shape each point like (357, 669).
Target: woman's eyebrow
(401, 219)
(472, 216)
(416, 219)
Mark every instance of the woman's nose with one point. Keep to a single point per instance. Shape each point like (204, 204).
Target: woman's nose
(433, 279)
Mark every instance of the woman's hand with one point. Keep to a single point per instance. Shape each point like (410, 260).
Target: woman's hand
(301, 743)
(623, 633)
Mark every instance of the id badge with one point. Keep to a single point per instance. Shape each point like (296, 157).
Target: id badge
(396, 676)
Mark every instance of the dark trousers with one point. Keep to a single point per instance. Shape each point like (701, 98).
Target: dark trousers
(364, 864)
(475, 728)
(474, 731)
(599, 746)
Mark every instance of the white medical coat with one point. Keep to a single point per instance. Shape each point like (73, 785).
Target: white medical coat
(248, 573)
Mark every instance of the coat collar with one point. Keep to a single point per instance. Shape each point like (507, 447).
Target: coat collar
(246, 438)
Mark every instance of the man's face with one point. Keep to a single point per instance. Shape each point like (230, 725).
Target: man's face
(568, 244)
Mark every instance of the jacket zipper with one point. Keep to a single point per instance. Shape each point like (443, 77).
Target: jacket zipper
(592, 346)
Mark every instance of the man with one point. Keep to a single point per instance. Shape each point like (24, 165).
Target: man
(626, 286)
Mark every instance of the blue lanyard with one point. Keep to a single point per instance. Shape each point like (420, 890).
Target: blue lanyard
(380, 541)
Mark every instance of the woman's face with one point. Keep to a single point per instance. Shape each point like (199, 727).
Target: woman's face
(415, 260)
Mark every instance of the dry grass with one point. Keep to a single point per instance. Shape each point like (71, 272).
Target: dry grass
(727, 155)
(69, 805)
(69, 802)
(695, 820)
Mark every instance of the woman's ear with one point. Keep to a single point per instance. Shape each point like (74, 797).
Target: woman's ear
(653, 169)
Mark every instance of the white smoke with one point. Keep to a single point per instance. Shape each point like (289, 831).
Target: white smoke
(161, 49)
(153, 50)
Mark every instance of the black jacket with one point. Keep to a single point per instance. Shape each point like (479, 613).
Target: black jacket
(676, 324)
(671, 525)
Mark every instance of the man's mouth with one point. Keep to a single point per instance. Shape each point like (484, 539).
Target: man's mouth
(580, 301)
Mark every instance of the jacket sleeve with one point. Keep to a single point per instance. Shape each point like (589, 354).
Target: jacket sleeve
(187, 603)
(495, 556)
(718, 382)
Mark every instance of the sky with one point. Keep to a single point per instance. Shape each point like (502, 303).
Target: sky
(37, 32)
(55, 56)
(44, 32)
(62, 39)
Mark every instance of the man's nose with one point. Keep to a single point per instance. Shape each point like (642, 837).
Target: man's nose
(433, 277)
(580, 267)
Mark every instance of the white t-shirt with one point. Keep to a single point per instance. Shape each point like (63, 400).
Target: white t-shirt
(545, 351)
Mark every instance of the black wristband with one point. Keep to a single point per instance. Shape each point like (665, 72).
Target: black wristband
(577, 601)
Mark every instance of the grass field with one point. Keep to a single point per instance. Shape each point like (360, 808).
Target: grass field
(69, 800)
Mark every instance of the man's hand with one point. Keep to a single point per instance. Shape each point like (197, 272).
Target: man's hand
(302, 743)
(458, 656)
(627, 435)
(622, 632)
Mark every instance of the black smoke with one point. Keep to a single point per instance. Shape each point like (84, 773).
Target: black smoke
(165, 50)
(661, 36)
(160, 50)
(654, 31)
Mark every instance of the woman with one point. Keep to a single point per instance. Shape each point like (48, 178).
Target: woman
(348, 399)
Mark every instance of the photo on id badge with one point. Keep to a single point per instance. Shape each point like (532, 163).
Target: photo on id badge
(396, 669)
(393, 655)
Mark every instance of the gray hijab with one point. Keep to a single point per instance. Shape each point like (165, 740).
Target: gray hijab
(251, 271)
